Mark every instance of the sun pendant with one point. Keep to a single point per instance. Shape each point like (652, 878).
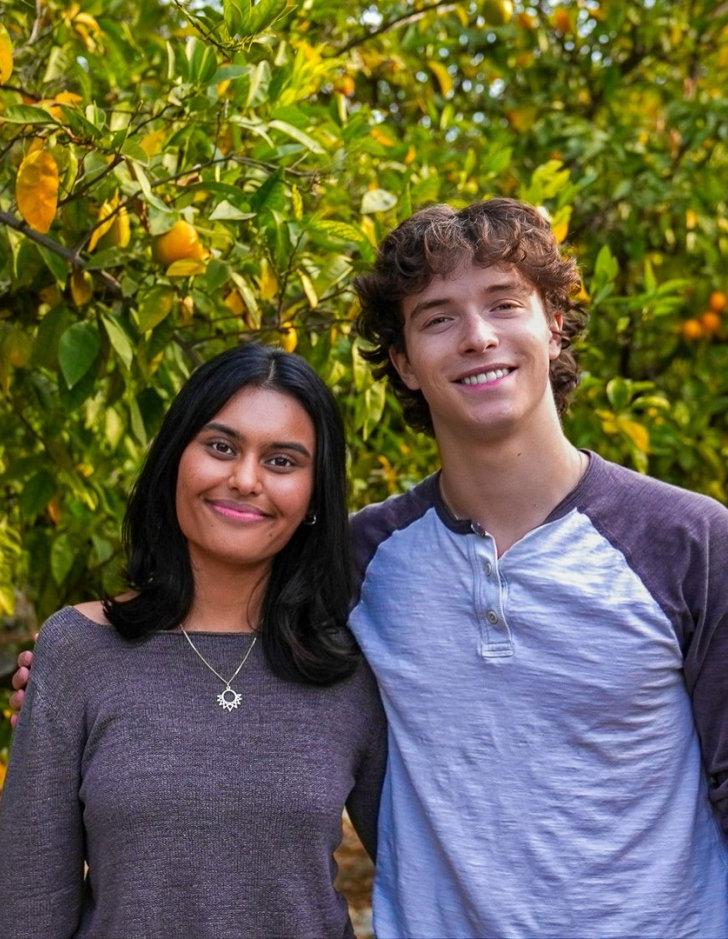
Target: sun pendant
(228, 703)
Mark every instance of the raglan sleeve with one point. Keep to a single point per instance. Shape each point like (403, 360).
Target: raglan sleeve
(706, 661)
(41, 829)
(363, 802)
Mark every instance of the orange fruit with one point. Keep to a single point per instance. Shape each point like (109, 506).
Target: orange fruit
(717, 301)
(561, 20)
(346, 85)
(691, 330)
(179, 243)
(710, 321)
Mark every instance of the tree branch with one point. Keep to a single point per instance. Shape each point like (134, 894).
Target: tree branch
(68, 254)
(403, 20)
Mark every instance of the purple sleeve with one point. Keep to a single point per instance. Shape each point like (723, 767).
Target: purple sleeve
(363, 802)
(677, 543)
(41, 829)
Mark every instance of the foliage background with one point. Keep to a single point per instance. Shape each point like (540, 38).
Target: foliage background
(293, 136)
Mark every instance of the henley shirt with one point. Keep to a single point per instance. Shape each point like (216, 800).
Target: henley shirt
(558, 716)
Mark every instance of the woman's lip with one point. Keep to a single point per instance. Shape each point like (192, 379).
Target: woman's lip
(241, 513)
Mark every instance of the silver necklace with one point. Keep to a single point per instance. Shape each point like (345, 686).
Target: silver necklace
(228, 699)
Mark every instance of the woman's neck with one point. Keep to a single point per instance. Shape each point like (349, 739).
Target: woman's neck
(227, 599)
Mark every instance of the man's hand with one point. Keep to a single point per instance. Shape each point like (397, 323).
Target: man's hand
(19, 681)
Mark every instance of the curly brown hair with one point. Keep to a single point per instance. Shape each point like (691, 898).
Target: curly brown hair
(437, 241)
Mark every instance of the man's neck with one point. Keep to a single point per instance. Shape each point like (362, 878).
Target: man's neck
(510, 486)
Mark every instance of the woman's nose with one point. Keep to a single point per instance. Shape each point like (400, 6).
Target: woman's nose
(245, 475)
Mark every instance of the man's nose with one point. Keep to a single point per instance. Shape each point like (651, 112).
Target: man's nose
(478, 334)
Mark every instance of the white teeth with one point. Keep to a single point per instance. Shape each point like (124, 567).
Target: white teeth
(482, 378)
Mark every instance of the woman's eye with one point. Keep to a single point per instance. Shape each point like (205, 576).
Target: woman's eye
(221, 446)
(281, 462)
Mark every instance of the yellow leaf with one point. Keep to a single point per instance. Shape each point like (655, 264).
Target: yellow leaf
(119, 234)
(691, 219)
(53, 105)
(297, 203)
(382, 137)
(106, 218)
(186, 308)
(309, 290)
(36, 190)
(187, 267)
(234, 302)
(637, 433)
(6, 55)
(444, 79)
(222, 87)
(2, 773)
(560, 223)
(151, 144)
(289, 338)
(82, 287)
(268, 282)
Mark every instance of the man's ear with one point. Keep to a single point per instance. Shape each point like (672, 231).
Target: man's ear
(398, 358)
(555, 327)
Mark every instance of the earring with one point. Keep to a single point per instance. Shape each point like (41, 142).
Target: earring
(310, 519)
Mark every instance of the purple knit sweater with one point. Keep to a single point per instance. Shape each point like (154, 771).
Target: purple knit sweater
(193, 821)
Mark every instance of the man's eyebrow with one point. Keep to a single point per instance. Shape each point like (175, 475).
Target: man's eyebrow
(507, 286)
(273, 445)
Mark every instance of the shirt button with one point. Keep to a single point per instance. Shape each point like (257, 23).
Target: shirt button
(492, 616)
(488, 568)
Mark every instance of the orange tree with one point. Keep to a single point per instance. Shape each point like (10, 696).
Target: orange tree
(177, 177)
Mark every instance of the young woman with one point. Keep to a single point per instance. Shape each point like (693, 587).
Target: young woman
(185, 751)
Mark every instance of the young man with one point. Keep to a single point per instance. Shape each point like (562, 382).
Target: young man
(549, 630)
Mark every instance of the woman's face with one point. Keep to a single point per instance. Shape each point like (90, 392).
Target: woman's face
(245, 481)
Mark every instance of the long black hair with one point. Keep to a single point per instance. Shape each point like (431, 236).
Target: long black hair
(306, 601)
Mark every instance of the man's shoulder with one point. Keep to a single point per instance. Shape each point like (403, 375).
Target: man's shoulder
(622, 492)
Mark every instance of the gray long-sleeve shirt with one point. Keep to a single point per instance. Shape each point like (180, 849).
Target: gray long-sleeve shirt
(193, 821)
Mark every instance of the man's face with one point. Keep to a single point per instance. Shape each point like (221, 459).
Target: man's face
(478, 346)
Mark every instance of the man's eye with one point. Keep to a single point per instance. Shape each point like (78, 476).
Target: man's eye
(437, 321)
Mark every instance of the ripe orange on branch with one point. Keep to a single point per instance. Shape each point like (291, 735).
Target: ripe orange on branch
(691, 330)
(710, 321)
(179, 243)
(717, 301)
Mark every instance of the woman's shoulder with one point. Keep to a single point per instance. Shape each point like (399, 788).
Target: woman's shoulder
(72, 628)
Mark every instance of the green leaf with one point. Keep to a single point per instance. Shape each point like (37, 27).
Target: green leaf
(224, 211)
(285, 128)
(377, 200)
(57, 265)
(155, 305)
(26, 114)
(37, 493)
(619, 393)
(78, 349)
(119, 340)
(62, 557)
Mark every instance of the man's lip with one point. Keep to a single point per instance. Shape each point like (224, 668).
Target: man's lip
(483, 369)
